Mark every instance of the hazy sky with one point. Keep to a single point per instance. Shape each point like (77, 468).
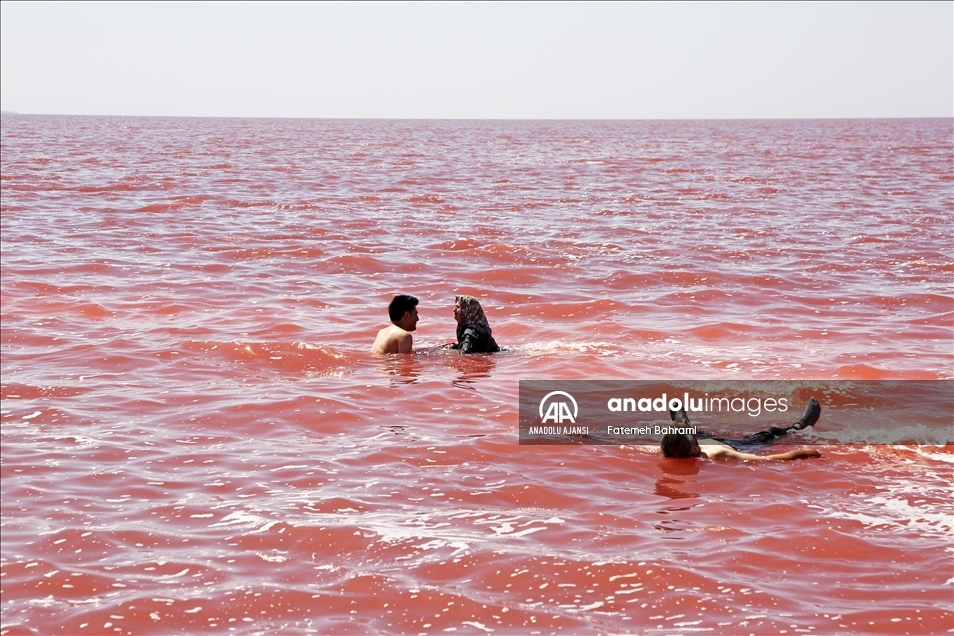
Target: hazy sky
(477, 60)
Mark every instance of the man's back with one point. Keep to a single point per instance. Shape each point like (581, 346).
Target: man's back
(393, 339)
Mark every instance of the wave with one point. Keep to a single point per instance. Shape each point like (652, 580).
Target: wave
(915, 435)
(287, 357)
(557, 347)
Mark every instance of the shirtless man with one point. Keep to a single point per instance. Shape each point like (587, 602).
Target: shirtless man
(681, 445)
(396, 337)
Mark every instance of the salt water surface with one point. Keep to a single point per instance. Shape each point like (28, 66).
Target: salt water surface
(196, 439)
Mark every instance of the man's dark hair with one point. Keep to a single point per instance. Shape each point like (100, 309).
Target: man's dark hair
(400, 306)
(678, 445)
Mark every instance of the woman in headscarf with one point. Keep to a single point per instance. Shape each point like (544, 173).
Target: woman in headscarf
(473, 331)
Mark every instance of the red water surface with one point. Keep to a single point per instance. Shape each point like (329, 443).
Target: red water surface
(196, 439)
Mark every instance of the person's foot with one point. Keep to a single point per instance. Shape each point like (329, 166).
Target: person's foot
(679, 417)
(810, 416)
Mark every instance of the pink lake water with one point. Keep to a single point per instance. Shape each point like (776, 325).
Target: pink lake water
(196, 439)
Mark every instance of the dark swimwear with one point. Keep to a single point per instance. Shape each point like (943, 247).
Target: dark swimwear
(808, 418)
(756, 439)
(471, 341)
(473, 331)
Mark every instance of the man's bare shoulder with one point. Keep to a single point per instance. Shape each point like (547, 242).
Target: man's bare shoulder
(714, 449)
(392, 339)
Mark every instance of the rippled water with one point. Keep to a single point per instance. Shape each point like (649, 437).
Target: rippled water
(196, 439)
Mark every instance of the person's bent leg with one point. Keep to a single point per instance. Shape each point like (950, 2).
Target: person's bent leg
(763, 437)
(809, 417)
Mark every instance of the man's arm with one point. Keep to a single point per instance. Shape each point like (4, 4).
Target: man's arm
(405, 343)
(804, 453)
(729, 453)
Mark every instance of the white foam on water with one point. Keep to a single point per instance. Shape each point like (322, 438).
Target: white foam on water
(915, 496)
(917, 435)
(559, 346)
(941, 457)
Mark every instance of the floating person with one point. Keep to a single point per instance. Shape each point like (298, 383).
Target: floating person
(473, 331)
(706, 446)
(396, 337)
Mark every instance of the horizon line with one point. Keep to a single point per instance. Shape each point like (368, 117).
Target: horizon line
(808, 118)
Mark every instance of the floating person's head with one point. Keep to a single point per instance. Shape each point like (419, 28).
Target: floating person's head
(680, 446)
(403, 311)
(468, 312)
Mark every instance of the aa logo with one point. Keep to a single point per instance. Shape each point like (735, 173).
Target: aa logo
(558, 411)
